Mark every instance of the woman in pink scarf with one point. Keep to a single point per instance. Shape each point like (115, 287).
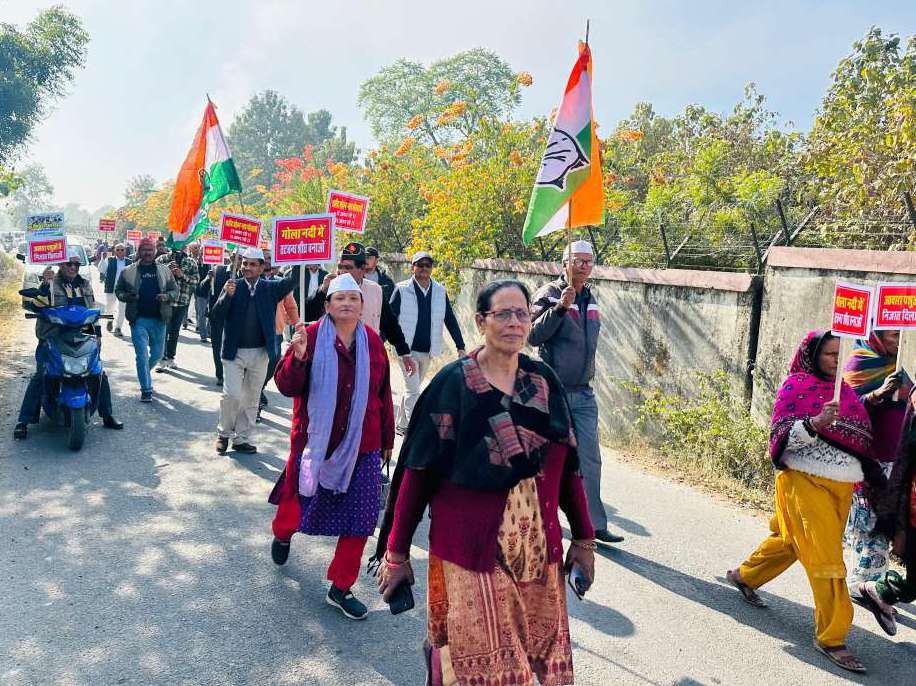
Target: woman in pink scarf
(820, 448)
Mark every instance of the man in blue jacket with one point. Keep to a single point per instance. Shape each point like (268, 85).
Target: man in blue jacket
(247, 308)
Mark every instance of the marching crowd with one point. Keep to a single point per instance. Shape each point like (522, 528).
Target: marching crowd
(496, 443)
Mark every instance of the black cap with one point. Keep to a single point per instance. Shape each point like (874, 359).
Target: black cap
(354, 251)
(372, 251)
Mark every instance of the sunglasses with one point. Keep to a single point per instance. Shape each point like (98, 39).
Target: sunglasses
(424, 265)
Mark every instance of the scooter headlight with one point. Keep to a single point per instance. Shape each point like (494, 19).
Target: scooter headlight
(76, 366)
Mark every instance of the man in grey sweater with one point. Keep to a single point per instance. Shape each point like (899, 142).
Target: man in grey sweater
(565, 327)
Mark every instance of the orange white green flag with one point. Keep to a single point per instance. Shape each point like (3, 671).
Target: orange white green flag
(207, 174)
(568, 190)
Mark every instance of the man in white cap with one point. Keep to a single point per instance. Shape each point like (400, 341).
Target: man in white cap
(566, 323)
(423, 309)
(247, 308)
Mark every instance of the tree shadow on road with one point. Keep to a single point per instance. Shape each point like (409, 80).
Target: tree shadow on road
(784, 620)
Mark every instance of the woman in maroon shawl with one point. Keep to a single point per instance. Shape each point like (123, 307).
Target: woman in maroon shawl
(490, 450)
(820, 449)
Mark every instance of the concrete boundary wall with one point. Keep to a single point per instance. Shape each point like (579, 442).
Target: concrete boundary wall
(660, 326)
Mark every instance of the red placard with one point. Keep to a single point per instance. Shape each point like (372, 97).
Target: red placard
(239, 229)
(107, 224)
(307, 239)
(154, 235)
(212, 252)
(48, 250)
(895, 306)
(851, 310)
(349, 210)
(134, 237)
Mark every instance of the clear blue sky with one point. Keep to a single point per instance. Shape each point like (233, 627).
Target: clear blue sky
(135, 106)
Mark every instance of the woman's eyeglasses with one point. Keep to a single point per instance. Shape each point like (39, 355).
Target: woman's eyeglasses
(505, 316)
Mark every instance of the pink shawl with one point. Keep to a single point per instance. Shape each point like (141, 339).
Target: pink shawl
(803, 395)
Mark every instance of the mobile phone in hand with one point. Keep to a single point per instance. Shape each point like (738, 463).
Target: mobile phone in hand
(401, 599)
(577, 581)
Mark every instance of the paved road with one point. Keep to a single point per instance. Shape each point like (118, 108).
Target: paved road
(144, 560)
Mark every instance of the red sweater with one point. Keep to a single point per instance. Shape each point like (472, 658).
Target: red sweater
(292, 379)
(464, 524)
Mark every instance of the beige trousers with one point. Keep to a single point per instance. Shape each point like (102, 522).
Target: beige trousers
(412, 386)
(243, 378)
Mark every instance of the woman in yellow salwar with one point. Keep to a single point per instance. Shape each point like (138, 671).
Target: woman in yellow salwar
(819, 448)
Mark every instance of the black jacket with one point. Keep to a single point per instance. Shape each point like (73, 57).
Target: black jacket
(388, 325)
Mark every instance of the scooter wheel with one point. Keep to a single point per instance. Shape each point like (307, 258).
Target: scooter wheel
(76, 434)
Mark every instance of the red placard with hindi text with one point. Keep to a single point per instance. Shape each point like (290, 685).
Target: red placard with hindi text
(307, 239)
(107, 224)
(48, 250)
(895, 306)
(154, 235)
(350, 211)
(212, 252)
(240, 230)
(134, 237)
(851, 310)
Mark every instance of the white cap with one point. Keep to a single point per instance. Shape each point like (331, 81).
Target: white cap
(344, 282)
(419, 255)
(253, 254)
(578, 247)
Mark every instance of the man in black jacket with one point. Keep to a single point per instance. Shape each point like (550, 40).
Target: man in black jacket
(565, 327)
(389, 329)
(213, 284)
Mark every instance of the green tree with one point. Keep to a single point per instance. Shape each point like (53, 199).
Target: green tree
(34, 194)
(862, 148)
(441, 103)
(37, 64)
(269, 128)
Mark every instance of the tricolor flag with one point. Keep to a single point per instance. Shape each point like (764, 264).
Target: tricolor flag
(568, 190)
(208, 174)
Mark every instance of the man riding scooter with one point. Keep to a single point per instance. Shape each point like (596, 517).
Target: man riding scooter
(67, 288)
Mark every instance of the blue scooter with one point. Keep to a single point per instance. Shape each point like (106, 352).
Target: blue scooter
(73, 369)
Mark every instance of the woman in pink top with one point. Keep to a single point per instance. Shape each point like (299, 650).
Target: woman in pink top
(490, 449)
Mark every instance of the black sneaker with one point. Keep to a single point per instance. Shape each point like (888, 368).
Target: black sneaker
(21, 431)
(146, 396)
(244, 448)
(219, 382)
(346, 603)
(279, 551)
(110, 324)
(606, 537)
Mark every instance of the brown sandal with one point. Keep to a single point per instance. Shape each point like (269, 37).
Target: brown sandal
(841, 657)
(749, 594)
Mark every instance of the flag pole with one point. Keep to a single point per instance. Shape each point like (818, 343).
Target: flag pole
(569, 254)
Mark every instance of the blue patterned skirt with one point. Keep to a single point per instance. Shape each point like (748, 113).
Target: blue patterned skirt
(354, 513)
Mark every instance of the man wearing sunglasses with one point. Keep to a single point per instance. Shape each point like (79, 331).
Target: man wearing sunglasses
(111, 266)
(565, 327)
(423, 310)
(67, 288)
